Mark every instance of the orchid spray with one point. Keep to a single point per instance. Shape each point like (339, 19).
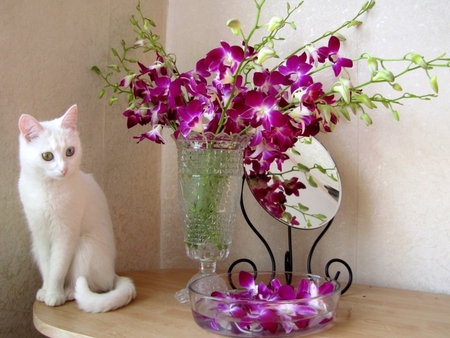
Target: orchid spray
(232, 91)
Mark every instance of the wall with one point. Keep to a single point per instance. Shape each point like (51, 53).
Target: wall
(46, 51)
(392, 227)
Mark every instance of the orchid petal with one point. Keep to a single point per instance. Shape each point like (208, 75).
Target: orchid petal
(286, 292)
(246, 280)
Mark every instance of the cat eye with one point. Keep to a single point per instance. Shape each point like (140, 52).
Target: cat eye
(70, 151)
(47, 156)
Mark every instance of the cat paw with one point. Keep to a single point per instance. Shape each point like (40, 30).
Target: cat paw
(54, 298)
(40, 295)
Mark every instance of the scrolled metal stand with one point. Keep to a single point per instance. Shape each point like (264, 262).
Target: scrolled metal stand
(288, 257)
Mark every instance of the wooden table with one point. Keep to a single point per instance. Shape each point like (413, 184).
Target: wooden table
(364, 311)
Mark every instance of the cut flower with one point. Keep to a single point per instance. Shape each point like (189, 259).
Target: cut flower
(273, 307)
(232, 91)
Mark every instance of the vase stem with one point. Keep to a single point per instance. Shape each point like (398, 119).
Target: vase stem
(207, 268)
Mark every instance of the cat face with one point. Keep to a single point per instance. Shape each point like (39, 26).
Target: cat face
(50, 149)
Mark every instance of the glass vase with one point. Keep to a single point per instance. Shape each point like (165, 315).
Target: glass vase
(210, 169)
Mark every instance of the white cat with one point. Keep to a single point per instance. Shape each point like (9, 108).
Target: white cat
(68, 216)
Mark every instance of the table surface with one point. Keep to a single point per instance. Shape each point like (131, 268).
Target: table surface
(364, 311)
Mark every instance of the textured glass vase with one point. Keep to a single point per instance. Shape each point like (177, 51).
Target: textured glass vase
(210, 170)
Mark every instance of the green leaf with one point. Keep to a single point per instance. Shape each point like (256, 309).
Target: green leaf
(102, 92)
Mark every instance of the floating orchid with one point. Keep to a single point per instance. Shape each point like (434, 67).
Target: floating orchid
(272, 307)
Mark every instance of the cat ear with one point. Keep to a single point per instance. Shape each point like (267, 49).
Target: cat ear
(69, 120)
(29, 127)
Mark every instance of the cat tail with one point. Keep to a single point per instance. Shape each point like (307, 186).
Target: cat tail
(88, 301)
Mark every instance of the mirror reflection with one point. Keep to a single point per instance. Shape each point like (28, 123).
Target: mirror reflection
(306, 192)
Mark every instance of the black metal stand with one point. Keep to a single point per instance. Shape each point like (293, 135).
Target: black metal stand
(288, 257)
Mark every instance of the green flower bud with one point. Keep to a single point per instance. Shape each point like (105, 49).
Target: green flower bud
(112, 99)
(266, 53)
(96, 70)
(311, 182)
(366, 118)
(342, 88)
(397, 87)
(139, 43)
(302, 208)
(364, 99)
(133, 21)
(114, 67)
(396, 115)
(235, 26)
(274, 23)
(302, 168)
(418, 60)
(385, 75)
(434, 84)
(344, 111)
(372, 63)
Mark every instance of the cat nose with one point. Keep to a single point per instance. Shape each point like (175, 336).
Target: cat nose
(64, 170)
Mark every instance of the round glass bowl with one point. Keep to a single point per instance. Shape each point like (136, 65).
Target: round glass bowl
(264, 304)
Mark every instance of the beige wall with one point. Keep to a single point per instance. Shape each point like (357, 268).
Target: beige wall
(393, 224)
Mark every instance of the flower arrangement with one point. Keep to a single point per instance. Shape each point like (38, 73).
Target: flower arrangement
(267, 307)
(232, 91)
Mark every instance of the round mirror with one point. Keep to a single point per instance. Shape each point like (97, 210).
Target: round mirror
(306, 192)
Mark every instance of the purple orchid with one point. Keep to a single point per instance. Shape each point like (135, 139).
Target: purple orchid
(272, 307)
(296, 71)
(230, 91)
(330, 53)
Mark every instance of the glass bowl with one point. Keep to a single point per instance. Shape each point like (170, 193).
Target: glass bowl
(264, 304)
